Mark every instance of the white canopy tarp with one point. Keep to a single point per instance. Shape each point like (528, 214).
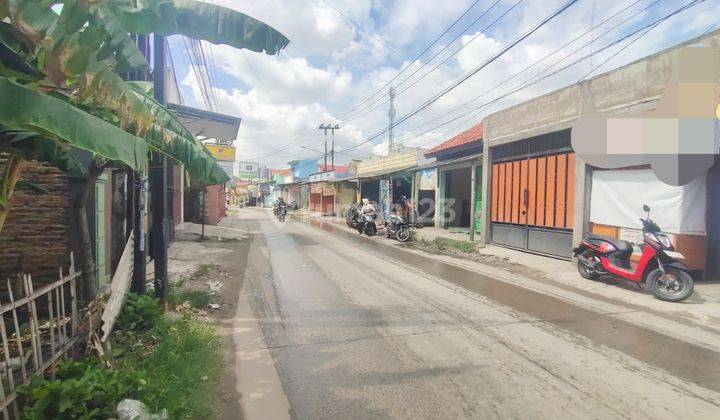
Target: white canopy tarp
(618, 197)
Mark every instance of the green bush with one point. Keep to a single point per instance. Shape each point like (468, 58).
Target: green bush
(139, 313)
(446, 243)
(80, 390)
(163, 362)
(183, 369)
(198, 298)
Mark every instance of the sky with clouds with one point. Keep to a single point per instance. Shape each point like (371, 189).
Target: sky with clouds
(343, 51)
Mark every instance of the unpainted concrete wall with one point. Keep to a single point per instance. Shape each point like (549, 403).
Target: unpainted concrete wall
(634, 87)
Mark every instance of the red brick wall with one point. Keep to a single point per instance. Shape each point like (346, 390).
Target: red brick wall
(214, 204)
(36, 228)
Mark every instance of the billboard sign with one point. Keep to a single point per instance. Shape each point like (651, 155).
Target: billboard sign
(248, 170)
(221, 152)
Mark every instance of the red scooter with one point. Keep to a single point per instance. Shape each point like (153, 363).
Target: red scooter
(659, 267)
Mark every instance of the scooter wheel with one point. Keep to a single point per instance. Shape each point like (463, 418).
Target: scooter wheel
(672, 286)
(402, 234)
(585, 271)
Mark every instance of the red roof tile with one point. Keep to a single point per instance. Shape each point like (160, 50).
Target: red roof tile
(473, 134)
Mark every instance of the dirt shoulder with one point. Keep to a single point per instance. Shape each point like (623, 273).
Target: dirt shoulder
(214, 267)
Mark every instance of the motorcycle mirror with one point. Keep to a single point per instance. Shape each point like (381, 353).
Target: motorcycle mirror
(646, 208)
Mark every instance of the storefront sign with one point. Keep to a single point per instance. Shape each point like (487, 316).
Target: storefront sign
(315, 188)
(328, 190)
(222, 153)
(385, 198)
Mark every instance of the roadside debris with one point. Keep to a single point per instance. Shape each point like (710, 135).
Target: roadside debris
(128, 409)
(215, 286)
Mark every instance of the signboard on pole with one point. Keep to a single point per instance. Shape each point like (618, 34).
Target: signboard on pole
(248, 170)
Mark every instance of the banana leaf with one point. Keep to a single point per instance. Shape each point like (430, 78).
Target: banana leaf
(163, 116)
(37, 112)
(126, 51)
(199, 163)
(15, 66)
(205, 21)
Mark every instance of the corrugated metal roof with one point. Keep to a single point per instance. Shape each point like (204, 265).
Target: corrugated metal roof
(473, 134)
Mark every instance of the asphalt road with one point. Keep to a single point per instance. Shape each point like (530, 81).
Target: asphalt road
(357, 330)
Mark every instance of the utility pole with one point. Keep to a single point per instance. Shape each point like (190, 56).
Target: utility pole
(332, 128)
(159, 184)
(391, 115)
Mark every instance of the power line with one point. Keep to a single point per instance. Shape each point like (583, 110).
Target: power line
(634, 41)
(473, 72)
(631, 4)
(628, 6)
(310, 134)
(371, 107)
(531, 82)
(377, 38)
(410, 63)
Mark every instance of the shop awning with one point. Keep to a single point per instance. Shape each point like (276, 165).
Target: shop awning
(440, 163)
(382, 172)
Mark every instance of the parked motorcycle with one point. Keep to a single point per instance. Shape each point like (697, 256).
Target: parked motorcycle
(367, 224)
(352, 219)
(397, 227)
(659, 267)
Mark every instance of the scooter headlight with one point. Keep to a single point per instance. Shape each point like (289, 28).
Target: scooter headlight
(664, 240)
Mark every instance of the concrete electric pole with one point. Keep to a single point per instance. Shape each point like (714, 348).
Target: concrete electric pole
(332, 128)
(391, 115)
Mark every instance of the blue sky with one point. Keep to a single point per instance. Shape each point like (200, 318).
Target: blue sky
(332, 64)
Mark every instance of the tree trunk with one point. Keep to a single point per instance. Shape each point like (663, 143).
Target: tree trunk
(87, 262)
(10, 176)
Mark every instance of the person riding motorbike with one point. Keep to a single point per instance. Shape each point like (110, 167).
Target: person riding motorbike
(367, 208)
(278, 203)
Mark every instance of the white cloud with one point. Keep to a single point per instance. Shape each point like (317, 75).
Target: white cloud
(330, 66)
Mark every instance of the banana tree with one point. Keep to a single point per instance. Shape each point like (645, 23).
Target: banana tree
(62, 60)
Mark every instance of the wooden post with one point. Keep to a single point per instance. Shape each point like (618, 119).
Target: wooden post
(6, 349)
(18, 339)
(37, 361)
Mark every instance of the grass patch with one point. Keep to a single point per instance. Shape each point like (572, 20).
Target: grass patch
(203, 270)
(182, 370)
(166, 363)
(198, 298)
(444, 244)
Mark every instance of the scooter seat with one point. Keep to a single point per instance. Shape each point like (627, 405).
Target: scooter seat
(621, 245)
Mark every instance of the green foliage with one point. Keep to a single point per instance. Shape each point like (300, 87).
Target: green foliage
(183, 369)
(444, 244)
(81, 390)
(139, 313)
(176, 364)
(203, 270)
(198, 298)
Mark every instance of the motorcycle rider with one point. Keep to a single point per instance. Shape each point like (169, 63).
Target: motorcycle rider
(278, 204)
(367, 208)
